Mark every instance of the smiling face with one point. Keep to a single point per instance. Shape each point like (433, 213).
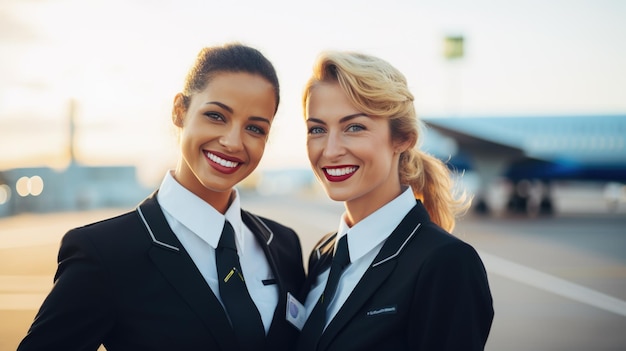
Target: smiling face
(223, 134)
(352, 154)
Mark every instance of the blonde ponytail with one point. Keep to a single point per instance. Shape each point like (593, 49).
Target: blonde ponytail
(433, 184)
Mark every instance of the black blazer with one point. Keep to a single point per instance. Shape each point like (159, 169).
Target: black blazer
(425, 290)
(128, 283)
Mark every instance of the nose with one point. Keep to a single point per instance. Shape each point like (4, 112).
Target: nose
(231, 139)
(334, 146)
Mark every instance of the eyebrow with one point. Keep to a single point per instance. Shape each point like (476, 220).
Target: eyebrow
(230, 110)
(260, 119)
(341, 120)
(225, 107)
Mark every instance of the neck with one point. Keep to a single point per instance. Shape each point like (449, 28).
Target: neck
(359, 209)
(222, 201)
(219, 200)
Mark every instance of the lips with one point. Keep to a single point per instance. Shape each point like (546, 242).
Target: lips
(339, 173)
(223, 163)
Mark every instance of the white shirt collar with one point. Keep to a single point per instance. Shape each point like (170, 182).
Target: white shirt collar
(375, 228)
(196, 214)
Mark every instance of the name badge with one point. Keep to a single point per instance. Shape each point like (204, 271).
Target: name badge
(296, 314)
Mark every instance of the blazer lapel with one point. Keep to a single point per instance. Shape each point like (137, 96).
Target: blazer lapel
(265, 237)
(320, 259)
(172, 260)
(384, 263)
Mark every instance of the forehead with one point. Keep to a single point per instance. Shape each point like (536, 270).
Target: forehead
(243, 82)
(240, 89)
(328, 100)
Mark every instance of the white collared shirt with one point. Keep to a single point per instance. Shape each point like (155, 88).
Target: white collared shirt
(198, 227)
(365, 240)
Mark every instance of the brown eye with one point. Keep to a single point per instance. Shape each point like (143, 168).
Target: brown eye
(215, 116)
(257, 130)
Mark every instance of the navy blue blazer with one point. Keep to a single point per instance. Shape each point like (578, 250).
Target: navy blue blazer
(425, 290)
(128, 283)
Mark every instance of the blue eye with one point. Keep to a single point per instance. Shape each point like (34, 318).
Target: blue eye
(355, 128)
(316, 130)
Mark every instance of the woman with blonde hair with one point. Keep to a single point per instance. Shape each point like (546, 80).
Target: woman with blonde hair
(392, 277)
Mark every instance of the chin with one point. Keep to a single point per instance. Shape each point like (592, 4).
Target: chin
(218, 186)
(336, 196)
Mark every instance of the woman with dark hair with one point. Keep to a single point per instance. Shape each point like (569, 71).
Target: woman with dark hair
(188, 269)
(392, 277)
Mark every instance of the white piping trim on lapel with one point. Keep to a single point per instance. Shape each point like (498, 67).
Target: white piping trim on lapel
(154, 240)
(400, 249)
(266, 227)
(318, 248)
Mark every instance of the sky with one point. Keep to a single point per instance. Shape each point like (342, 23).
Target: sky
(122, 62)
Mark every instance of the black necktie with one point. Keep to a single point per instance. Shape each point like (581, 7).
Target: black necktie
(317, 320)
(244, 316)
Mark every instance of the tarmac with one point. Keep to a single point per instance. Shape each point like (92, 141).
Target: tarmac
(559, 283)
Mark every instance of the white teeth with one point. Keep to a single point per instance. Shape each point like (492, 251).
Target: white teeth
(337, 172)
(221, 161)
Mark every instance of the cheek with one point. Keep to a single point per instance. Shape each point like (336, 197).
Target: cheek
(312, 148)
(184, 136)
(192, 129)
(257, 148)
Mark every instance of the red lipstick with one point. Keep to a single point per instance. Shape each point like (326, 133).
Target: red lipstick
(339, 173)
(223, 163)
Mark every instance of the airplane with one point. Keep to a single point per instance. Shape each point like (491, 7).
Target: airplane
(529, 150)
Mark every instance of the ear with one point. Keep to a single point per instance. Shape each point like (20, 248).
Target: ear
(178, 110)
(401, 146)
